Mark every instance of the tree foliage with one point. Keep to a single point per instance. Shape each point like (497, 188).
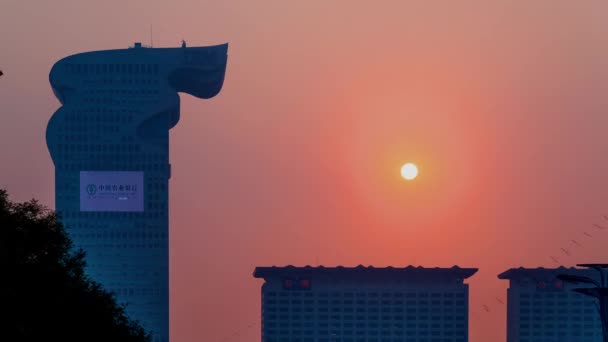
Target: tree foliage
(44, 293)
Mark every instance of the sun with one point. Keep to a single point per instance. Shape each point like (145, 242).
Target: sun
(409, 171)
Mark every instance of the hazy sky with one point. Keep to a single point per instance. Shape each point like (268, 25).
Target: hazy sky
(501, 103)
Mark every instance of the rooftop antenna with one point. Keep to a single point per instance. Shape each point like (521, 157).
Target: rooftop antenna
(151, 40)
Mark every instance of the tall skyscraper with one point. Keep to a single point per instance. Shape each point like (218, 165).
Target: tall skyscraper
(542, 308)
(110, 146)
(323, 304)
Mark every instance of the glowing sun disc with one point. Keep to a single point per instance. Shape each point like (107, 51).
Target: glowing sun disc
(409, 171)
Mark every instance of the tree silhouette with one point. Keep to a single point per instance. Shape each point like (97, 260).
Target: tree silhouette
(44, 292)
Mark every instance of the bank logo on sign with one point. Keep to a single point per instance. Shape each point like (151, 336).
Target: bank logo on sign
(91, 189)
(112, 191)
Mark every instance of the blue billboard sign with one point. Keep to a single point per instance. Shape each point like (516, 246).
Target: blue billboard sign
(112, 191)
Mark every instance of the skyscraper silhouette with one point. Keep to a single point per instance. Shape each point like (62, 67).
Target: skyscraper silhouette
(328, 304)
(541, 307)
(110, 146)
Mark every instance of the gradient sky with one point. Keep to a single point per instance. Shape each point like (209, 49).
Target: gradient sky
(502, 104)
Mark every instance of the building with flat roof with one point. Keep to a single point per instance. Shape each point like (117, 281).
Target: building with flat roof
(109, 142)
(356, 304)
(542, 308)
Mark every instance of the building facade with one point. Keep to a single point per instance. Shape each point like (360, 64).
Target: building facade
(323, 304)
(109, 142)
(542, 308)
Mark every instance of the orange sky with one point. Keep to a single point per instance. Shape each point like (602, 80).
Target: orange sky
(502, 104)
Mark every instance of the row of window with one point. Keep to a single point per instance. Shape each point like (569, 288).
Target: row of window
(107, 214)
(537, 339)
(562, 333)
(359, 325)
(101, 82)
(118, 68)
(122, 236)
(367, 302)
(564, 311)
(545, 295)
(87, 215)
(369, 332)
(131, 292)
(95, 86)
(99, 129)
(96, 117)
(551, 327)
(117, 102)
(124, 92)
(71, 130)
(107, 153)
(161, 168)
(80, 115)
(93, 155)
(100, 147)
(558, 318)
(123, 246)
(384, 310)
(270, 317)
(370, 339)
(367, 294)
(556, 303)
